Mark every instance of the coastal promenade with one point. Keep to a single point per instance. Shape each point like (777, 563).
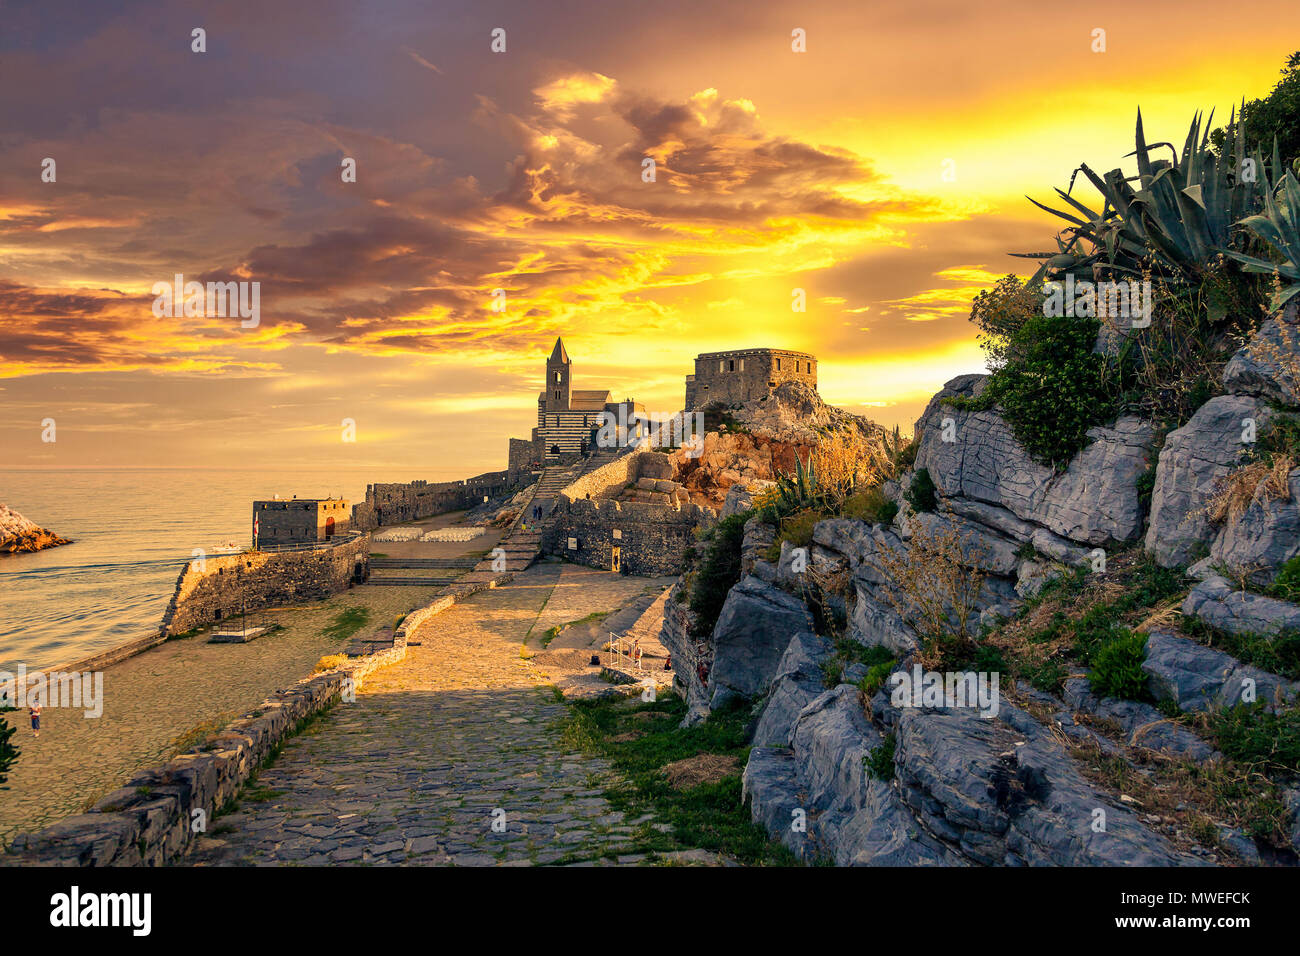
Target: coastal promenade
(169, 697)
(437, 748)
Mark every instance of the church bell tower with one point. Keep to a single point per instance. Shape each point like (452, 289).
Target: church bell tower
(558, 378)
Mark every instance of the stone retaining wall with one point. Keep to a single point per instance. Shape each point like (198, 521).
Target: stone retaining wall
(261, 579)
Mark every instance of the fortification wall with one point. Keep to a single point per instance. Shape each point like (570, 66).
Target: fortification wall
(610, 479)
(261, 579)
(397, 502)
(651, 538)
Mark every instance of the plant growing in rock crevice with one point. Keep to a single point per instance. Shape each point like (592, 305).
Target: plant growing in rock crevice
(718, 573)
(934, 584)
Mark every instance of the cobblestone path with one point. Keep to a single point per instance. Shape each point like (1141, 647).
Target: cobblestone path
(184, 688)
(437, 749)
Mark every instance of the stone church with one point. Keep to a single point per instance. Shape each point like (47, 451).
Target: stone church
(567, 418)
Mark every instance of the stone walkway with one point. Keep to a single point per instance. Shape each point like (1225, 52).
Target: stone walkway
(166, 697)
(451, 756)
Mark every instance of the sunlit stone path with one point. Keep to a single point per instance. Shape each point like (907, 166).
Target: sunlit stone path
(437, 749)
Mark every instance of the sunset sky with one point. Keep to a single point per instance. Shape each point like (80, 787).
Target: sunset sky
(521, 170)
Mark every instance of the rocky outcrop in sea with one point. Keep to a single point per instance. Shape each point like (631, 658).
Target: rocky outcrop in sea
(17, 534)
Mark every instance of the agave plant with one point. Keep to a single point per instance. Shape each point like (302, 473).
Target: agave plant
(799, 491)
(1172, 218)
(1279, 226)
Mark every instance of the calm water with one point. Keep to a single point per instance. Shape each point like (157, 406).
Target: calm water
(132, 530)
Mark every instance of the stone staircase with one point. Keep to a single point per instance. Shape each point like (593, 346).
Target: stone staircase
(522, 542)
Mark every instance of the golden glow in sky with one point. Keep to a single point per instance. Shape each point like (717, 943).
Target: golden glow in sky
(883, 172)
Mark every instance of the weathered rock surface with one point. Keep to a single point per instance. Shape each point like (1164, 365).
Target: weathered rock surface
(1216, 602)
(1255, 369)
(1004, 791)
(753, 631)
(18, 534)
(1142, 724)
(1200, 678)
(1094, 501)
(1193, 460)
(740, 496)
(850, 817)
(1265, 537)
(794, 412)
(797, 682)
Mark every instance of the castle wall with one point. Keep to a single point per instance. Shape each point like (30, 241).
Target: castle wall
(521, 458)
(746, 375)
(261, 579)
(398, 502)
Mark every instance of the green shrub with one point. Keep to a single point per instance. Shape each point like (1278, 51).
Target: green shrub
(797, 529)
(921, 493)
(8, 752)
(1050, 390)
(718, 573)
(879, 763)
(1287, 583)
(1001, 312)
(1252, 734)
(872, 506)
(876, 678)
(1117, 668)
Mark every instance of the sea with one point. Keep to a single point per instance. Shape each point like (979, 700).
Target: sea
(132, 531)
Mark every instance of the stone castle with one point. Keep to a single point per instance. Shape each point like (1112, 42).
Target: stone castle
(746, 375)
(568, 419)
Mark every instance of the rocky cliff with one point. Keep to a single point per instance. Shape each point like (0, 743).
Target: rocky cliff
(1068, 768)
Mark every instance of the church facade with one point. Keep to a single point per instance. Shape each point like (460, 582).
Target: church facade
(568, 419)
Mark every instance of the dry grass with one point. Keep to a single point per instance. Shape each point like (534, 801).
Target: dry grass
(846, 461)
(330, 661)
(705, 768)
(933, 586)
(1163, 618)
(1257, 481)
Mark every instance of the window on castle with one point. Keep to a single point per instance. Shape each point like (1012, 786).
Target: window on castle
(731, 365)
(558, 379)
(722, 366)
(742, 365)
(778, 365)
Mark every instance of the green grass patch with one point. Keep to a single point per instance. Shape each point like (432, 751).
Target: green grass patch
(1117, 668)
(879, 763)
(1254, 736)
(710, 815)
(347, 622)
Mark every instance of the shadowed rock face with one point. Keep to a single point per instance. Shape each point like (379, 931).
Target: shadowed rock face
(1218, 603)
(17, 534)
(1200, 678)
(1193, 460)
(752, 633)
(1259, 367)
